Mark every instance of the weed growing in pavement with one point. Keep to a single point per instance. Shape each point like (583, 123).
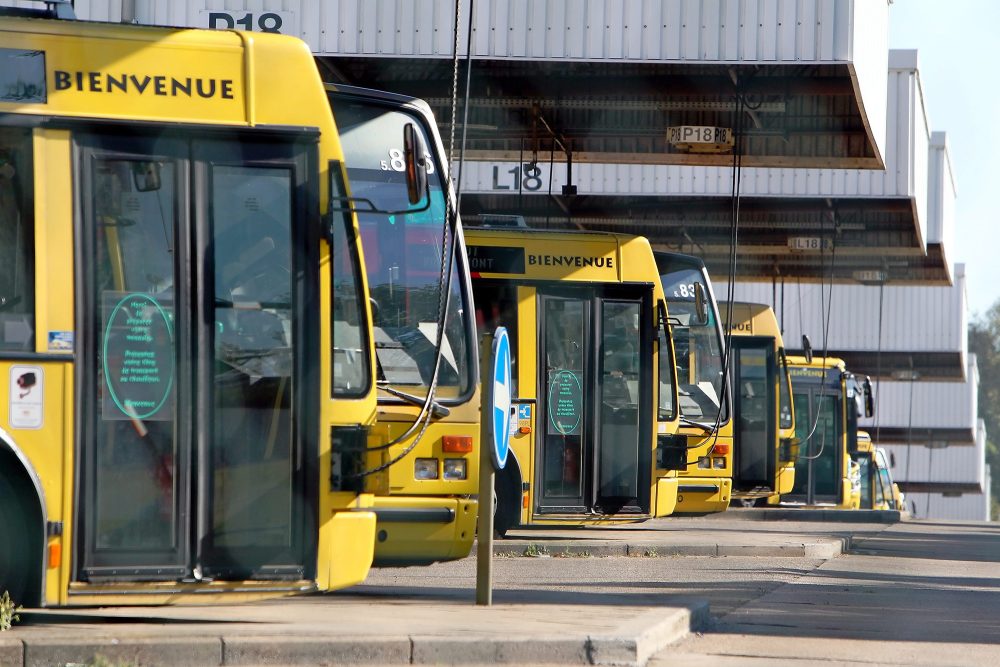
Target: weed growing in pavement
(651, 553)
(8, 612)
(566, 553)
(535, 551)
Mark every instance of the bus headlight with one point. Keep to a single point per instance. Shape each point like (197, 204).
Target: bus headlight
(425, 469)
(719, 462)
(455, 469)
(704, 462)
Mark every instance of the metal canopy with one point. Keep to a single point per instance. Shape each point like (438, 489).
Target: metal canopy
(802, 115)
(871, 235)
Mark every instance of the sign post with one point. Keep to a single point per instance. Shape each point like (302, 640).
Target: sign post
(495, 421)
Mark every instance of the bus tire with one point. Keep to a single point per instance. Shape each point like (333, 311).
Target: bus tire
(507, 510)
(16, 571)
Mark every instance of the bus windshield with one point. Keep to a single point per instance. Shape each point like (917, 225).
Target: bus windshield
(697, 346)
(404, 253)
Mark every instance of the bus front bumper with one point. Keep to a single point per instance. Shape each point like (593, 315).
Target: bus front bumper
(414, 530)
(703, 495)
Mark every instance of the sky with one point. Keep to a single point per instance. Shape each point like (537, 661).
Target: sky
(957, 43)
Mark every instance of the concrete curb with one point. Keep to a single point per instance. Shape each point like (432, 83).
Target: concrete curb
(809, 514)
(821, 548)
(630, 645)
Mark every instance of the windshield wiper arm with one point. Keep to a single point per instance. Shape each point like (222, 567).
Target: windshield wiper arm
(437, 409)
(690, 422)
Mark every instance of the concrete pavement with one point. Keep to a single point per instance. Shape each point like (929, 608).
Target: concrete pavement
(556, 610)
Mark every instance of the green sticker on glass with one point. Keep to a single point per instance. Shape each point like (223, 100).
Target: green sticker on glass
(138, 356)
(565, 403)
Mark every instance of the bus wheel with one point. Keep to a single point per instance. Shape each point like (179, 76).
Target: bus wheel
(15, 545)
(507, 501)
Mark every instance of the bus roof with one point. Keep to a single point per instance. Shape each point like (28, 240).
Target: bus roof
(752, 319)
(85, 69)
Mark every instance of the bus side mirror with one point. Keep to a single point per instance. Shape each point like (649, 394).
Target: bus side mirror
(700, 305)
(869, 398)
(892, 459)
(415, 164)
(807, 349)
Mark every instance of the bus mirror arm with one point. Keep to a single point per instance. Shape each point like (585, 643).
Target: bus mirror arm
(807, 349)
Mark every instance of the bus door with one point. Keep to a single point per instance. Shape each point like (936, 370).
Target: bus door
(754, 381)
(595, 398)
(193, 382)
(818, 469)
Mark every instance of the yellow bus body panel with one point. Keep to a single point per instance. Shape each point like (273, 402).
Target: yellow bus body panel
(178, 77)
(403, 542)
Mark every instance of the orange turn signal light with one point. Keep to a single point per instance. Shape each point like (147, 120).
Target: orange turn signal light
(524, 430)
(720, 449)
(524, 501)
(456, 444)
(55, 554)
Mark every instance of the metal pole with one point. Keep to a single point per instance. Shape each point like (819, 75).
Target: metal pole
(484, 532)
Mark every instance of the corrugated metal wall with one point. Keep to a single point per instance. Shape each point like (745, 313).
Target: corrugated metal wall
(959, 465)
(966, 507)
(915, 319)
(662, 30)
(927, 405)
(941, 193)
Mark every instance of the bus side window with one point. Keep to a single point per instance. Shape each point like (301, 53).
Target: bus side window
(17, 252)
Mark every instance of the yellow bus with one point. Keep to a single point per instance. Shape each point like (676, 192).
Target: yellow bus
(764, 432)
(706, 468)
(168, 288)
(828, 400)
(593, 376)
(873, 494)
(421, 460)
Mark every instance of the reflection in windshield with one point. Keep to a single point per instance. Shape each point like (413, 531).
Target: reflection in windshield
(403, 255)
(698, 347)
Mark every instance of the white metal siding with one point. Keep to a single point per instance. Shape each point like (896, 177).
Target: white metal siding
(914, 319)
(958, 465)
(966, 507)
(820, 31)
(941, 194)
(926, 405)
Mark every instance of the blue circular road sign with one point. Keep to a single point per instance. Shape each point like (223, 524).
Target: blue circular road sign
(501, 397)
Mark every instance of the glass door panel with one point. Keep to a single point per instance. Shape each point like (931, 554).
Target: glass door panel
(619, 394)
(565, 469)
(753, 390)
(251, 450)
(133, 460)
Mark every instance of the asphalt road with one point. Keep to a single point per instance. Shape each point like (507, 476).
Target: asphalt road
(919, 593)
(915, 593)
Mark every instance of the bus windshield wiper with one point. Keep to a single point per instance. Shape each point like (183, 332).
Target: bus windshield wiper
(687, 421)
(437, 409)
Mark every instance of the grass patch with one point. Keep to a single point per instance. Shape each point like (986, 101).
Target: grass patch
(535, 551)
(8, 612)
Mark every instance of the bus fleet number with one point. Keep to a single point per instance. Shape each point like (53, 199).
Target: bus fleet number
(266, 22)
(396, 162)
